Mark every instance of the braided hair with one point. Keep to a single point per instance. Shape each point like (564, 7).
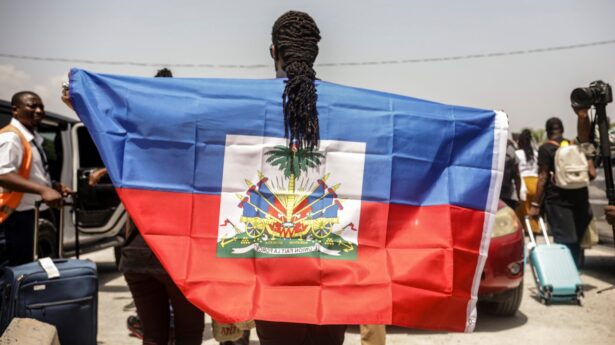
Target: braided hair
(525, 143)
(296, 36)
(164, 73)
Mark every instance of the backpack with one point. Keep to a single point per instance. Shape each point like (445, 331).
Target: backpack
(570, 167)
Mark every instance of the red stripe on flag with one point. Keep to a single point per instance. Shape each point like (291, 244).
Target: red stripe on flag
(415, 265)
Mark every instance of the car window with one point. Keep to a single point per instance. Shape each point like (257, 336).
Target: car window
(53, 149)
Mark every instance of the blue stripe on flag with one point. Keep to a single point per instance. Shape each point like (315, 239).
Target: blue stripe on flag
(169, 134)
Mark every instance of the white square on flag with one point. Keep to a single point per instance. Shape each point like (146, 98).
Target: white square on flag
(288, 205)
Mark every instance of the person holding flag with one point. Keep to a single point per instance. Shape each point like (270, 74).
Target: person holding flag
(362, 208)
(294, 48)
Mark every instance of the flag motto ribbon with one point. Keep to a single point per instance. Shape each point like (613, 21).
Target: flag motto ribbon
(387, 222)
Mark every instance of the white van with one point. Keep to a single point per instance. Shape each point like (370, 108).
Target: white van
(72, 156)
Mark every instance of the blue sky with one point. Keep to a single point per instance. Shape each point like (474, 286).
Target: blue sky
(529, 87)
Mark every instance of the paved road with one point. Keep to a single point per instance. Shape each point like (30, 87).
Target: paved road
(592, 323)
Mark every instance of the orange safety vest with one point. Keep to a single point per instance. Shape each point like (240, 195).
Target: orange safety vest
(10, 200)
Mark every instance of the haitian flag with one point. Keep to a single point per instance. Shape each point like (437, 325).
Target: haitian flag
(387, 222)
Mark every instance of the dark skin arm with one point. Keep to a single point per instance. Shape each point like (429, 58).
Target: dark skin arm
(50, 196)
(96, 175)
(609, 212)
(583, 130)
(583, 125)
(543, 175)
(591, 169)
(66, 99)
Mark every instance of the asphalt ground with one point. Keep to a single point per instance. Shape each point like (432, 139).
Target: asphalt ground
(535, 323)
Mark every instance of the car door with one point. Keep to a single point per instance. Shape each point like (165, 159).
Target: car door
(98, 208)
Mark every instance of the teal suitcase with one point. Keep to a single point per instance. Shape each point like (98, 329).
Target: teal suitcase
(554, 270)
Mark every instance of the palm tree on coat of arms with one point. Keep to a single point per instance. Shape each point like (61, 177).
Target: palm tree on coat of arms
(292, 162)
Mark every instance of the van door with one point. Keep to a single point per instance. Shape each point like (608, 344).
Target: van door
(98, 208)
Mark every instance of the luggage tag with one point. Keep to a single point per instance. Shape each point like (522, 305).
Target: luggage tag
(49, 267)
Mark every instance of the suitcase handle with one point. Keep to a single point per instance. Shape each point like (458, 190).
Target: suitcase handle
(543, 229)
(37, 205)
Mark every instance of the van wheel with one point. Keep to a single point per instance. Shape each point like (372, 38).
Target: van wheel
(47, 239)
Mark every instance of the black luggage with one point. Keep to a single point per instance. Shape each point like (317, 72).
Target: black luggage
(66, 297)
(61, 292)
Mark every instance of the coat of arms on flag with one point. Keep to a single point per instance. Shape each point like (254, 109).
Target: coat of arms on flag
(297, 203)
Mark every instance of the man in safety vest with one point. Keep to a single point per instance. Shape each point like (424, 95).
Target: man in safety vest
(24, 176)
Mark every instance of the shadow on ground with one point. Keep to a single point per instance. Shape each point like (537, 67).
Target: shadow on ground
(601, 267)
(486, 324)
(107, 271)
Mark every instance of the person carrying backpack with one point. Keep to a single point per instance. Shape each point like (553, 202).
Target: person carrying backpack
(563, 177)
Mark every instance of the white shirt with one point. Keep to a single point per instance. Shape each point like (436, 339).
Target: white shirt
(527, 168)
(11, 153)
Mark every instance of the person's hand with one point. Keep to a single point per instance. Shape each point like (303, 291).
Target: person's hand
(534, 211)
(60, 187)
(609, 212)
(51, 197)
(66, 98)
(96, 175)
(581, 112)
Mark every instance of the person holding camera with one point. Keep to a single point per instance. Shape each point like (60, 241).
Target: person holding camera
(584, 129)
(598, 94)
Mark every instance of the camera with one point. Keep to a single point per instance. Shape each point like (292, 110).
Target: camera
(597, 93)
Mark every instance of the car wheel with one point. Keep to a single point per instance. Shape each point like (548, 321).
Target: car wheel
(509, 304)
(47, 240)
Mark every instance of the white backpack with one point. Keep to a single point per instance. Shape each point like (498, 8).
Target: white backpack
(570, 167)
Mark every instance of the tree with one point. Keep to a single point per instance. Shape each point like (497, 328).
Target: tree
(292, 163)
(539, 136)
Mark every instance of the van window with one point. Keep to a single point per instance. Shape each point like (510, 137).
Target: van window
(53, 149)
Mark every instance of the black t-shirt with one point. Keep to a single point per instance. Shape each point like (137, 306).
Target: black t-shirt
(553, 194)
(137, 257)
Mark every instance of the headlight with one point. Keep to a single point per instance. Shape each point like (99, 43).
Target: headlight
(506, 222)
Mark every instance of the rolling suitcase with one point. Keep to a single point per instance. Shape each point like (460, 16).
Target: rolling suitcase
(554, 270)
(61, 292)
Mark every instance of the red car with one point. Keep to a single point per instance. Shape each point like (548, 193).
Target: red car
(501, 286)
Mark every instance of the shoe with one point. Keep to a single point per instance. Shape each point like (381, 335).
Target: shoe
(244, 340)
(134, 326)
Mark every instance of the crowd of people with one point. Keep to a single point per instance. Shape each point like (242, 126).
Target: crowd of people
(530, 186)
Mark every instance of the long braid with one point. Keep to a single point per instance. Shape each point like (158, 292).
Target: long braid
(296, 36)
(525, 143)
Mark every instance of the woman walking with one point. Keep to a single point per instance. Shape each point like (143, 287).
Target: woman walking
(527, 154)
